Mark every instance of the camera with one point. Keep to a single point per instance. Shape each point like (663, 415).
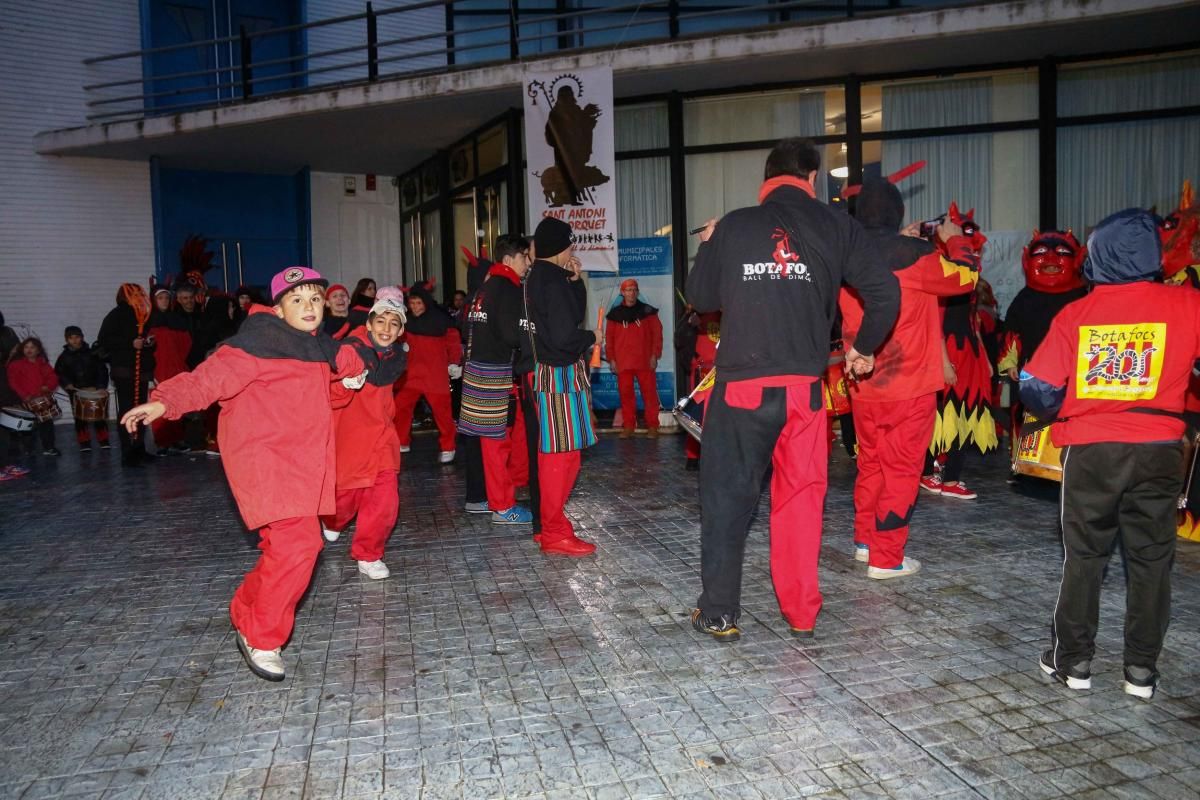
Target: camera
(929, 227)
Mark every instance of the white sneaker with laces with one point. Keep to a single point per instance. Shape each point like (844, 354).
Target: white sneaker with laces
(909, 566)
(446, 456)
(266, 664)
(375, 570)
(330, 535)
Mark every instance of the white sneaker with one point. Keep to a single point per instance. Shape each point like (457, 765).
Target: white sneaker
(266, 664)
(330, 536)
(909, 566)
(375, 570)
(404, 448)
(862, 552)
(446, 456)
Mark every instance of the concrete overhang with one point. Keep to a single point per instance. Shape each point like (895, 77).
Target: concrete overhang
(390, 126)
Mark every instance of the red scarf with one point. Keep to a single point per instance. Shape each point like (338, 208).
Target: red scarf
(505, 271)
(772, 184)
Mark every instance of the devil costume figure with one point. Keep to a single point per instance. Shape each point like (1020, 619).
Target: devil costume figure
(964, 414)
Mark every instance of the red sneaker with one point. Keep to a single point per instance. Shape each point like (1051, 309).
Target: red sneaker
(958, 489)
(571, 546)
(931, 483)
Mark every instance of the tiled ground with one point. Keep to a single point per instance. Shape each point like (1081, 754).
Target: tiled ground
(484, 669)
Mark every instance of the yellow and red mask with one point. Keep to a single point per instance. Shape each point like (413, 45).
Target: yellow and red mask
(1053, 262)
(1178, 232)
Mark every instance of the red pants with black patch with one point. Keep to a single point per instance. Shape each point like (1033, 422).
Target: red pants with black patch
(443, 416)
(893, 438)
(645, 381)
(264, 606)
(376, 507)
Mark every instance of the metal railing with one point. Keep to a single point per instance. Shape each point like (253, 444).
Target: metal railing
(422, 37)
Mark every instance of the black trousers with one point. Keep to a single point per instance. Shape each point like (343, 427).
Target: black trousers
(952, 469)
(527, 407)
(125, 401)
(1117, 492)
(46, 433)
(472, 453)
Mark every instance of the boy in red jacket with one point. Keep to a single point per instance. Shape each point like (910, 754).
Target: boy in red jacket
(633, 339)
(368, 447)
(434, 356)
(275, 382)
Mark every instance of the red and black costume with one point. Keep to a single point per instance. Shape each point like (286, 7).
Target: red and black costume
(774, 271)
(964, 413)
(433, 345)
(696, 345)
(633, 340)
(894, 406)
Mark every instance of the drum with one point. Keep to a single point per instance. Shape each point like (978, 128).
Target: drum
(90, 405)
(17, 420)
(837, 391)
(43, 407)
(689, 411)
(1189, 499)
(1037, 456)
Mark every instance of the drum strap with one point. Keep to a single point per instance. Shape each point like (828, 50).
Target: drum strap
(1190, 417)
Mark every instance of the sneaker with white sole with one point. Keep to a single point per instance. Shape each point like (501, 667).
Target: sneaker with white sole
(330, 535)
(932, 483)
(405, 448)
(517, 515)
(375, 570)
(266, 664)
(1140, 682)
(909, 566)
(861, 552)
(478, 508)
(446, 456)
(957, 490)
(1077, 676)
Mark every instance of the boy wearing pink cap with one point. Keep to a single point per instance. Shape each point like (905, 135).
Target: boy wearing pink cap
(277, 381)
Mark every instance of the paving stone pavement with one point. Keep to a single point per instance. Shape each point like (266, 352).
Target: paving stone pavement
(483, 669)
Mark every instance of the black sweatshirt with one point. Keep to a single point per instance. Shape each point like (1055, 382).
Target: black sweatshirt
(493, 320)
(557, 307)
(774, 272)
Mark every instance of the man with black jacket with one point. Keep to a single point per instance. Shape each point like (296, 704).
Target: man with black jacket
(774, 272)
(555, 306)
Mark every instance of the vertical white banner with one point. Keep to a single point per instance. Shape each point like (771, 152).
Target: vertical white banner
(569, 156)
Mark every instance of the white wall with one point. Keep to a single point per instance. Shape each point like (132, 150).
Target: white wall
(355, 237)
(351, 34)
(71, 230)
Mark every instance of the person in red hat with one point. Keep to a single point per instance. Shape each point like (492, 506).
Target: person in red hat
(337, 312)
(633, 343)
(434, 357)
(276, 380)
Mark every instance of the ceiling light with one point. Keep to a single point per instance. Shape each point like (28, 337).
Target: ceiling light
(841, 173)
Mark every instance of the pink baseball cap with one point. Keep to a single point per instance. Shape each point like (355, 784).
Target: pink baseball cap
(292, 277)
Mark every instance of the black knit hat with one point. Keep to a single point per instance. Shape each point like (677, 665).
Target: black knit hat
(551, 237)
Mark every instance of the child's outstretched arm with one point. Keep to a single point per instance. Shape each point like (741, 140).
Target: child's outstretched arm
(221, 376)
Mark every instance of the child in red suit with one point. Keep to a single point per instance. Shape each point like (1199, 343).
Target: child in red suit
(434, 356)
(633, 340)
(368, 448)
(275, 383)
(31, 376)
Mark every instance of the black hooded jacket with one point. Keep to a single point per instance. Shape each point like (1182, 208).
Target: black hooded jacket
(557, 306)
(81, 369)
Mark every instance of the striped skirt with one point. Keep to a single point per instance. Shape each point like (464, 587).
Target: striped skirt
(486, 391)
(564, 404)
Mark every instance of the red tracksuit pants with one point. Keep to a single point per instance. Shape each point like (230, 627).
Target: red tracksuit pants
(892, 440)
(556, 478)
(264, 606)
(505, 467)
(443, 416)
(376, 507)
(746, 429)
(645, 382)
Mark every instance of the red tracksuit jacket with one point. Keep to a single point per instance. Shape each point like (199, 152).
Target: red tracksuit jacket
(365, 428)
(429, 357)
(631, 345)
(27, 378)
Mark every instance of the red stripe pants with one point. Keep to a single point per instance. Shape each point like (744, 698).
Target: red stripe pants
(264, 606)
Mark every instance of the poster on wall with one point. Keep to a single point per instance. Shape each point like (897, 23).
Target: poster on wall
(649, 262)
(570, 167)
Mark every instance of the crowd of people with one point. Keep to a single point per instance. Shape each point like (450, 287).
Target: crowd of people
(309, 395)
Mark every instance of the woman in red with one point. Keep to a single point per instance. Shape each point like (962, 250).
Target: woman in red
(30, 375)
(368, 449)
(434, 353)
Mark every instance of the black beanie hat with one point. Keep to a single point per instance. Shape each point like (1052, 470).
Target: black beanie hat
(551, 237)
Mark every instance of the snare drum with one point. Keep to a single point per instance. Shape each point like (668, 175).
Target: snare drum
(1189, 501)
(837, 391)
(90, 405)
(689, 411)
(17, 420)
(1037, 456)
(43, 407)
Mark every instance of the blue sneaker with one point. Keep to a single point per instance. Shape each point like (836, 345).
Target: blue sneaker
(478, 508)
(517, 515)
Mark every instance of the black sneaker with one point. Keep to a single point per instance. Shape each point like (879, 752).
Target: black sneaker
(1078, 676)
(85, 448)
(724, 628)
(1140, 682)
(52, 451)
(692, 465)
(105, 446)
(803, 633)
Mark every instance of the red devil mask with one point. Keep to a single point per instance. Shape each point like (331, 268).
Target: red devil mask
(969, 227)
(1178, 232)
(1053, 262)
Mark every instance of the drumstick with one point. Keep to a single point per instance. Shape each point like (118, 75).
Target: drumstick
(694, 231)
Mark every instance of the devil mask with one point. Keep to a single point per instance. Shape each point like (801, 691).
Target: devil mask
(969, 227)
(1178, 233)
(1053, 262)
